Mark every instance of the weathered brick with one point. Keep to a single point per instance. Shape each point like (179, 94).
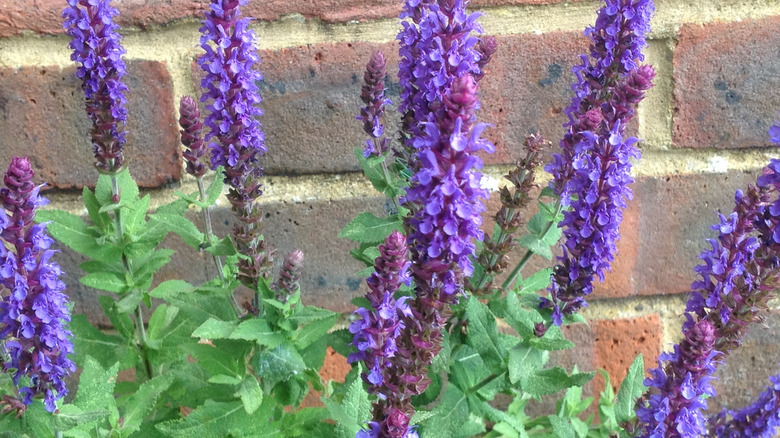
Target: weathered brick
(42, 115)
(726, 93)
(46, 17)
(328, 275)
(746, 370)
(313, 92)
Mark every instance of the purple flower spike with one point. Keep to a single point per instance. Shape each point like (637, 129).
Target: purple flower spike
(376, 329)
(373, 95)
(34, 312)
(759, 420)
(592, 171)
(290, 275)
(96, 46)
(191, 136)
(236, 138)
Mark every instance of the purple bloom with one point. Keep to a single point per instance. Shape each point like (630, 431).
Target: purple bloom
(191, 136)
(594, 163)
(373, 95)
(759, 420)
(237, 139)
(96, 46)
(289, 276)
(376, 329)
(34, 313)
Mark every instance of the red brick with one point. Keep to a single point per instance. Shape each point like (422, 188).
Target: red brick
(312, 92)
(726, 93)
(42, 115)
(45, 17)
(617, 342)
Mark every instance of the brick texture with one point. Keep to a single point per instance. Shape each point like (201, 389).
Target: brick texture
(726, 93)
(42, 115)
(45, 16)
(311, 93)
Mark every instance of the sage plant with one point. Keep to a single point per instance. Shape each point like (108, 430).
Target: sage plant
(373, 96)
(97, 47)
(34, 312)
(235, 134)
(759, 420)
(592, 171)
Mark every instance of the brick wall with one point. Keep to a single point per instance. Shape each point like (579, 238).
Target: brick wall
(704, 129)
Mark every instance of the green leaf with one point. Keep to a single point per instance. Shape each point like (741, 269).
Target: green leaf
(96, 391)
(217, 362)
(552, 380)
(259, 331)
(631, 389)
(160, 320)
(70, 416)
(72, 232)
(135, 215)
(524, 362)
(536, 245)
(561, 428)
(448, 416)
(313, 331)
(100, 220)
(483, 335)
(352, 414)
(250, 394)
(171, 288)
(215, 329)
(216, 419)
(536, 282)
(367, 228)
(341, 341)
(107, 281)
(136, 407)
(89, 341)
(176, 207)
(223, 248)
(280, 363)
(121, 322)
(221, 379)
(182, 226)
(215, 188)
(130, 301)
(372, 170)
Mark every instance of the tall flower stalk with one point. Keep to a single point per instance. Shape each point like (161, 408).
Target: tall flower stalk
(737, 277)
(97, 47)
(236, 139)
(34, 311)
(592, 171)
(759, 420)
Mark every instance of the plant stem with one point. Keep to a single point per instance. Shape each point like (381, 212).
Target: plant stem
(486, 381)
(389, 182)
(210, 238)
(516, 271)
(141, 335)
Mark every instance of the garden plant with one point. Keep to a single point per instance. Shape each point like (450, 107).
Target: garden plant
(427, 353)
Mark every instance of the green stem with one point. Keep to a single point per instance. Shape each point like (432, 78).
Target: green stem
(389, 182)
(516, 271)
(486, 381)
(141, 330)
(210, 238)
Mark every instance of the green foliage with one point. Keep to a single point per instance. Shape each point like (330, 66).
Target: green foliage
(367, 228)
(630, 390)
(353, 412)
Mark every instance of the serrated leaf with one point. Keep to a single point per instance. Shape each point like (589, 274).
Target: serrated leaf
(352, 414)
(535, 245)
(214, 189)
(374, 174)
(93, 206)
(96, 390)
(171, 288)
(524, 362)
(223, 248)
(280, 363)
(561, 428)
(121, 322)
(536, 282)
(72, 232)
(483, 335)
(183, 227)
(451, 412)
(130, 301)
(107, 281)
(552, 380)
(250, 394)
(312, 332)
(213, 419)
(152, 264)
(89, 341)
(70, 416)
(341, 342)
(259, 331)
(631, 388)
(367, 228)
(176, 207)
(142, 402)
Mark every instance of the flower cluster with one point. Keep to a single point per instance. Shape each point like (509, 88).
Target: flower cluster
(376, 329)
(737, 277)
(592, 171)
(373, 95)
(34, 313)
(191, 136)
(759, 420)
(236, 138)
(96, 46)
(509, 218)
(289, 276)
